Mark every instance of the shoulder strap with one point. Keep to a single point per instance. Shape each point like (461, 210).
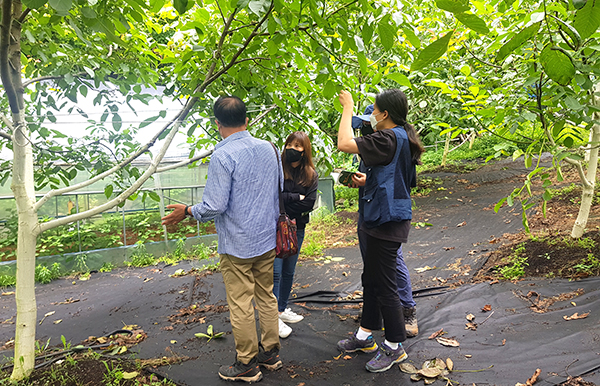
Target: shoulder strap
(281, 207)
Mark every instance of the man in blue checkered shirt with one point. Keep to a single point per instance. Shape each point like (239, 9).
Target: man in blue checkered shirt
(242, 196)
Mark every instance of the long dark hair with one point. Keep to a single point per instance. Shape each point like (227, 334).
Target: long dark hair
(306, 167)
(395, 103)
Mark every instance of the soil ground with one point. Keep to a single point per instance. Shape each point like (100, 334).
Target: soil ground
(549, 250)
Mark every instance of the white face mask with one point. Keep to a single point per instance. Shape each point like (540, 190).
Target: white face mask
(373, 121)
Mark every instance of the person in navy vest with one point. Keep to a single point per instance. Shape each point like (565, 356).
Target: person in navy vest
(409, 306)
(389, 158)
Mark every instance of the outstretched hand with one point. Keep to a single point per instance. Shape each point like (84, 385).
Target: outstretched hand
(346, 99)
(175, 216)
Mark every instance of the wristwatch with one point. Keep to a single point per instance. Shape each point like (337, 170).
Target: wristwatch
(187, 214)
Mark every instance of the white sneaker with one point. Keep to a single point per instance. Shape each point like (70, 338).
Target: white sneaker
(290, 316)
(284, 329)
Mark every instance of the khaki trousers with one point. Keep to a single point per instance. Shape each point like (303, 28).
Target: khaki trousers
(247, 280)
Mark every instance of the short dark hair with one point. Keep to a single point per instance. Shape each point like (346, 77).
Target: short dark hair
(230, 111)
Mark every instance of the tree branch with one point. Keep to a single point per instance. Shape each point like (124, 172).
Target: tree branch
(482, 61)
(240, 50)
(7, 122)
(253, 59)
(209, 152)
(6, 136)
(126, 193)
(198, 157)
(127, 161)
(24, 15)
(5, 28)
(329, 51)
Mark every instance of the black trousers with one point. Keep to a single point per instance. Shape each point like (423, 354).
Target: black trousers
(380, 289)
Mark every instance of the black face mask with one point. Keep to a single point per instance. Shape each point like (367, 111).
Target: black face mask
(293, 155)
(366, 129)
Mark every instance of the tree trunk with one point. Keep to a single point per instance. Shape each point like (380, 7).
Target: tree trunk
(587, 195)
(23, 188)
(446, 149)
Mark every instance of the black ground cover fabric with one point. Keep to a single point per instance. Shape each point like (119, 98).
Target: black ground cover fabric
(511, 338)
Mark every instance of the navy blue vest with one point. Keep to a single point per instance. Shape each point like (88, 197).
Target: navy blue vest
(386, 194)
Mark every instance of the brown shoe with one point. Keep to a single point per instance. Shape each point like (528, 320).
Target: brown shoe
(410, 321)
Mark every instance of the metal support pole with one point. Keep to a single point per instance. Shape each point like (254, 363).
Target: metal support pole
(124, 228)
(78, 228)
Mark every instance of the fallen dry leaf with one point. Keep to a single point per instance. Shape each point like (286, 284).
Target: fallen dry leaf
(471, 326)
(346, 357)
(462, 224)
(531, 380)
(431, 372)
(423, 269)
(436, 334)
(470, 317)
(448, 248)
(449, 364)
(448, 342)
(574, 304)
(408, 368)
(503, 342)
(487, 308)
(468, 356)
(576, 316)
(8, 293)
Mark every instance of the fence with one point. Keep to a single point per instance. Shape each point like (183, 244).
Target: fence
(66, 204)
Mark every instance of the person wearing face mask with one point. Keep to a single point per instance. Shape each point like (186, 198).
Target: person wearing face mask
(363, 123)
(299, 196)
(389, 157)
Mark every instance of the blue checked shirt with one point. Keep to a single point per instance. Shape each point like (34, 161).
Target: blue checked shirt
(242, 195)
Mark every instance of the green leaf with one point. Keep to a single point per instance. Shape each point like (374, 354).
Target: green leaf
(473, 22)
(587, 19)
(558, 126)
(547, 195)
(362, 61)
(148, 121)
(387, 33)
(517, 41)
(180, 6)
(499, 205)
(454, 6)
(108, 191)
(557, 65)
(579, 3)
(432, 52)
(61, 6)
(572, 103)
(117, 122)
(154, 196)
(509, 201)
(568, 142)
(34, 4)
(399, 78)
(88, 12)
(528, 161)
(258, 7)
(412, 37)
(201, 335)
(209, 330)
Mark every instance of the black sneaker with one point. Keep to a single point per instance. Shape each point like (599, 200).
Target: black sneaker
(410, 321)
(269, 359)
(241, 372)
(353, 344)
